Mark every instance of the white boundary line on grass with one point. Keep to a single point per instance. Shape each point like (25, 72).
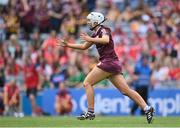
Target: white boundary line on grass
(90, 127)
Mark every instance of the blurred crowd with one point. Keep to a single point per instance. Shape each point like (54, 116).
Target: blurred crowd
(29, 29)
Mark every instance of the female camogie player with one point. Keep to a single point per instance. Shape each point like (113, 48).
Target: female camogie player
(108, 67)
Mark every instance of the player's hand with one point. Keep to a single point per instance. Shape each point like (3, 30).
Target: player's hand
(85, 37)
(61, 42)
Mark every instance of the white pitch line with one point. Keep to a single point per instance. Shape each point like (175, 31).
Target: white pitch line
(89, 127)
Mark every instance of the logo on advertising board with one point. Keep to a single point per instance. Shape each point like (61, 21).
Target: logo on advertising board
(118, 104)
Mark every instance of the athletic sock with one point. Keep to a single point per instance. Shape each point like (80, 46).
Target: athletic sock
(146, 108)
(91, 110)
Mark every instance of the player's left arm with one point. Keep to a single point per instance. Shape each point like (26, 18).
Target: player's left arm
(97, 40)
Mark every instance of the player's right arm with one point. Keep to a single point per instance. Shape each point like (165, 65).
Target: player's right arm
(83, 46)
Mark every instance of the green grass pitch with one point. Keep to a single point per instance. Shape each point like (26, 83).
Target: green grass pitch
(99, 122)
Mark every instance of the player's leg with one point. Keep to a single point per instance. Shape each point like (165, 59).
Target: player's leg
(135, 105)
(33, 103)
(57, 106)
(1, 103)
(134, 108)
(32, 97)
(16, 105)
(92, 78)
(121, 85)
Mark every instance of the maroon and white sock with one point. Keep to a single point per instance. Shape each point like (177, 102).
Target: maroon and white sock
(91, 110)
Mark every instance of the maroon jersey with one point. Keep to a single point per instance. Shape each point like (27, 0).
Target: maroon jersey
(106, 51)
(109, 61)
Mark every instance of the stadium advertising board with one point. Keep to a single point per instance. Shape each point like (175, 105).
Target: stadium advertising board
(111, 102)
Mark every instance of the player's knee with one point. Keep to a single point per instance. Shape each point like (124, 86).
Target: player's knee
(31, 97)
(86, 84)
(125, 92)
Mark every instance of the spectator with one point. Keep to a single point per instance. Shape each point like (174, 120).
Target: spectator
(161, 73)
(31, 79)
(112, 15)
(142, 80)
(91, 4)
(174, 71)
(12, 69)
(12, 22)
(12, 99)
(41, 16)
(63, 103)
(75, 77)
(57, 76)
(2, 84)
(56, 15)
(12, 45)
(69, 26)
(49, 47)
(36, 40)
(26, 13)
(2, 28)
(156, 78)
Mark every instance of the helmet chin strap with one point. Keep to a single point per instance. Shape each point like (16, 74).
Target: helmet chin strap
(98, 24)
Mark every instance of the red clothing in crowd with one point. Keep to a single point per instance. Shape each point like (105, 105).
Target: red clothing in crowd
(14, 70)
(31, 76)
(175, 74)
(11, 90)
(1, 62)
(64, 96)
(49, 46)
